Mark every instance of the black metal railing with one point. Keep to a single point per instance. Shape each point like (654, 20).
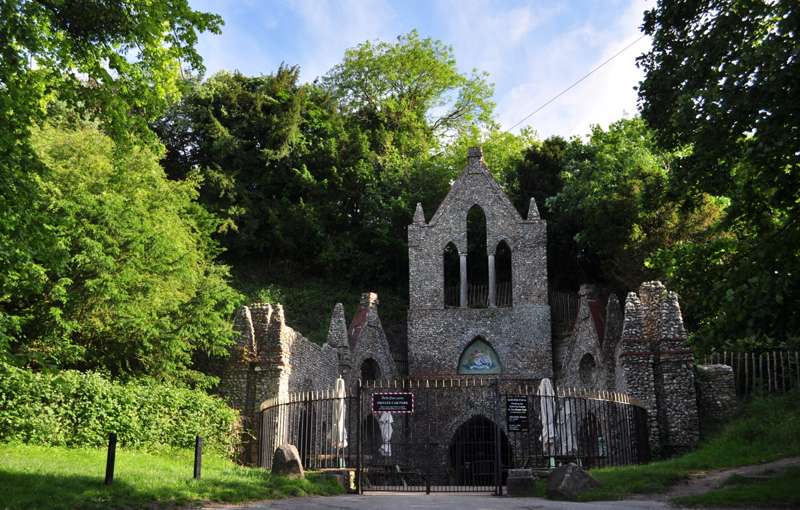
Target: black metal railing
(459, 435)
(478, 295)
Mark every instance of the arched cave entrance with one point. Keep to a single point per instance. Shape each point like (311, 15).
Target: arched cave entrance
(370, 370)
(472, 452)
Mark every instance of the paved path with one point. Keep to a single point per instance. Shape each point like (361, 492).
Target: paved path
(435, 502)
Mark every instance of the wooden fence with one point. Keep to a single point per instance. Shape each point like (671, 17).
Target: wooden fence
(761, 372)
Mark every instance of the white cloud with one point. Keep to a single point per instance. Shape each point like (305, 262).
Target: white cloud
(484, 34)
(605, 96)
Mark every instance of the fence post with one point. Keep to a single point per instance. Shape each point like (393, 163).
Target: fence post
(198, 456)
(498, 469)
(111, 457)
(359, 467)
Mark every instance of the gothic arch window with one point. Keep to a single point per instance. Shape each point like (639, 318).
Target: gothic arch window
(502, 264)
(586, 370)
(452, 275)
(479, 358)
(477, 261)
(370, 370)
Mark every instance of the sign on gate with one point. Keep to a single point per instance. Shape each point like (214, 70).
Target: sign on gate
(393, 403)
(517, 413)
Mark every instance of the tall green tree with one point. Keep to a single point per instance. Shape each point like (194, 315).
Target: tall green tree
(409, 94)
(721, 85)
(616, 195)
(117, 62)
(131, 286)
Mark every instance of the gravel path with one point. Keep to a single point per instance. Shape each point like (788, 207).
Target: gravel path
(703, 482)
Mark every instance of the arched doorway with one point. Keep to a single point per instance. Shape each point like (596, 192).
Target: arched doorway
(370, 370)
(472, 452)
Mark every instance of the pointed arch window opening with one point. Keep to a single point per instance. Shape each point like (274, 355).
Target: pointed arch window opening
(479, 358)
(503, 285)
(452, 276)
(477, 259)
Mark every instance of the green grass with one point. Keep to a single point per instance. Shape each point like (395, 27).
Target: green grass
(767, 429)
(774, 491)
(72, 478)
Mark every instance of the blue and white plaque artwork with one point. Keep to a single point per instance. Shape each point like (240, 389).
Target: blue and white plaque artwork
(479, 358)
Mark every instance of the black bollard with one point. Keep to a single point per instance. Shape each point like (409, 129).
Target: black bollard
(198, 456)
(111, 458)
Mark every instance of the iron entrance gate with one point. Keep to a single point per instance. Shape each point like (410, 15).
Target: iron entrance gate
(453, 435)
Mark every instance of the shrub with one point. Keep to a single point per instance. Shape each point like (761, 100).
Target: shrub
(71, 408)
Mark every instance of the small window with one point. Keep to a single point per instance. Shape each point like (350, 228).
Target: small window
(479, 359)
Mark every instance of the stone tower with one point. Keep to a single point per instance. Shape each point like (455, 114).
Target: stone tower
(497, 326)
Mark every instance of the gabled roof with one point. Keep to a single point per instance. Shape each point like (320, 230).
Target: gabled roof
(475, 167)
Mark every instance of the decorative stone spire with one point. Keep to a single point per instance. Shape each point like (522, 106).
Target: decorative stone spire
(419, 215)
(632, 326)
(474, 153)
(670, 323)
(533, 211)
(337, 338)
(337, 331)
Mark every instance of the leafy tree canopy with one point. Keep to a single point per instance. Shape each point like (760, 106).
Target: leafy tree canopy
(721, 84)
(615, 196)
(409, 94)
(129, 287)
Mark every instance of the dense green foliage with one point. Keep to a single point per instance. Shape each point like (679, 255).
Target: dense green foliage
(72, 478)
(128, 285)
(72, 408)
(721, 85)
(767, 429)
(108, 262)
(103, 262)
(323, 178)
(615, 201)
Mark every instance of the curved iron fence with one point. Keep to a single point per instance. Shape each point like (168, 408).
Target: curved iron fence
(456, 434)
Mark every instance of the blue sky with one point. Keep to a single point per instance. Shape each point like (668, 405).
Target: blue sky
(532, 50)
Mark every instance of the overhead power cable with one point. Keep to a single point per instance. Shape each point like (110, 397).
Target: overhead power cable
(612, 57)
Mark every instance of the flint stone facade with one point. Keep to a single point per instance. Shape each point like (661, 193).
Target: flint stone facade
(639, 349)
(519, 334)
(716, 395)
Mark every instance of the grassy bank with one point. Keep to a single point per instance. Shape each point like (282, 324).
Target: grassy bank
(767, 429)
(775, 490)
(72, 478)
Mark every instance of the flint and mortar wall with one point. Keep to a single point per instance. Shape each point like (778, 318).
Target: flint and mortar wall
(270, 359)
(368, 340)
(519, 334)
(716, 395)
